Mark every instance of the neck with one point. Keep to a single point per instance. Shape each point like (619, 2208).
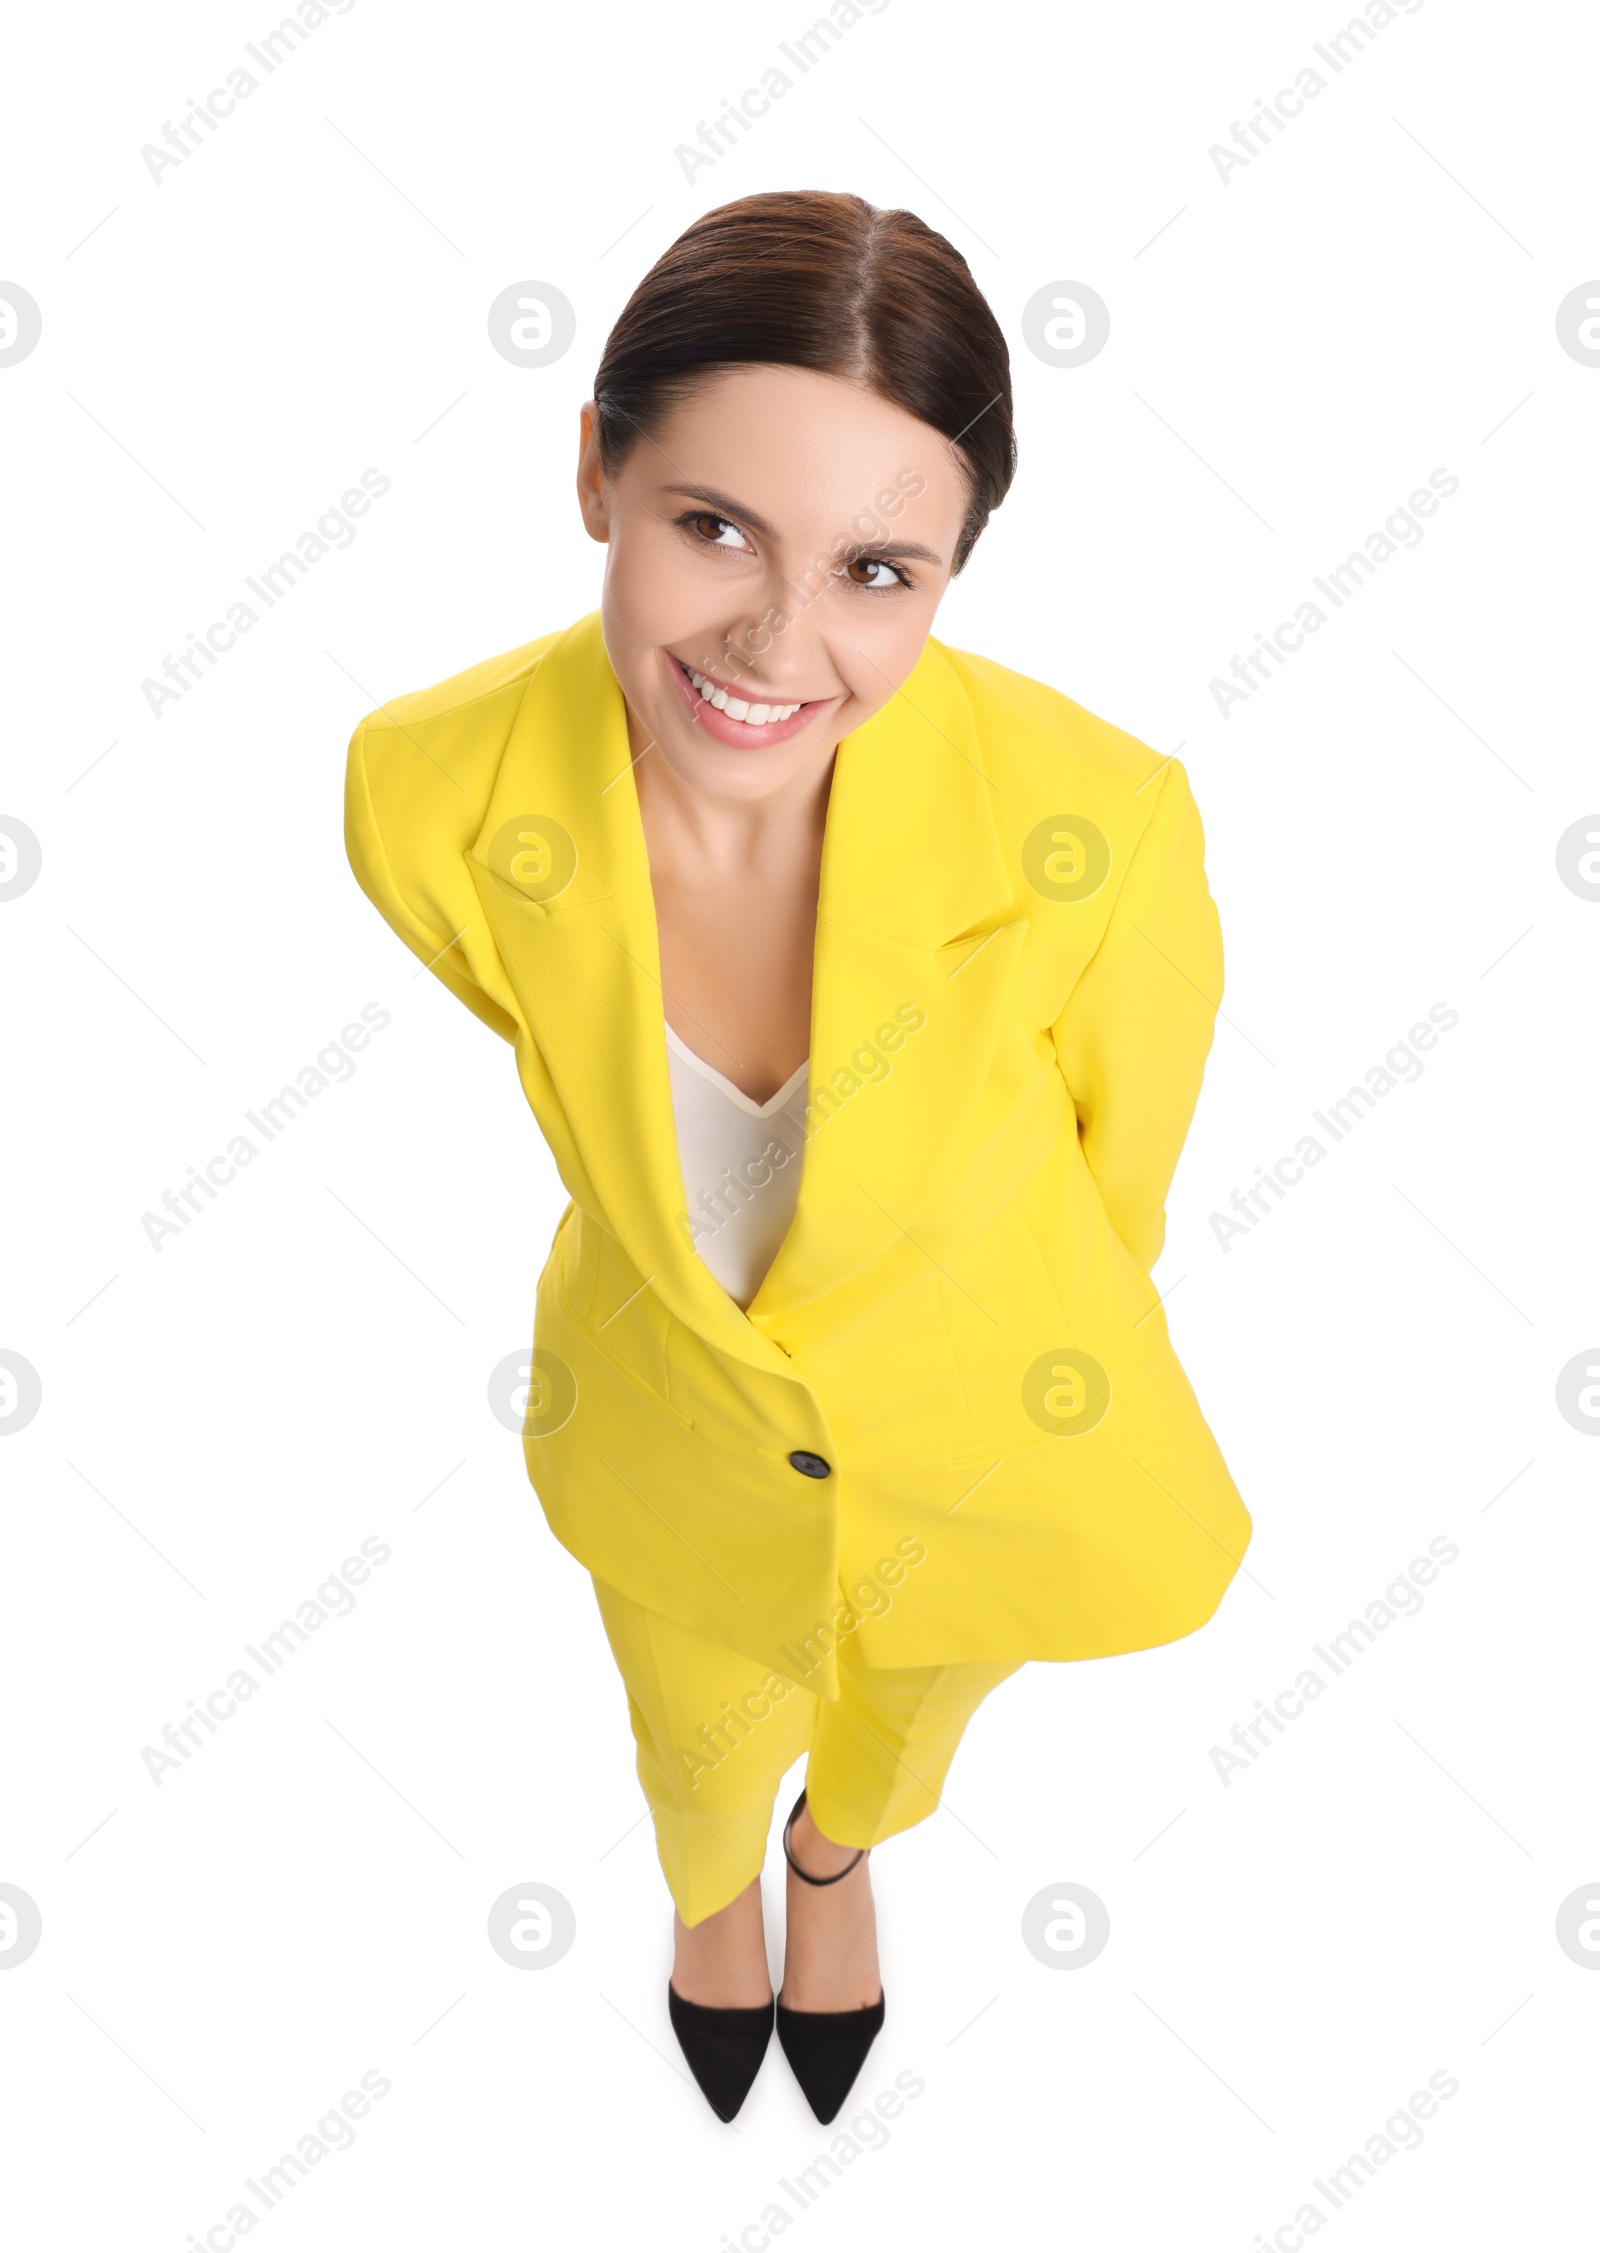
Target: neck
(717, 827)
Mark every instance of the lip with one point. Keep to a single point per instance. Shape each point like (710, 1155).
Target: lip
(739, 735)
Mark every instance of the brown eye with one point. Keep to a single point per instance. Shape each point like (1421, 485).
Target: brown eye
(866, 564)
(716, 531)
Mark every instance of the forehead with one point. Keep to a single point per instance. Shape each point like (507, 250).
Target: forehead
(789, 442)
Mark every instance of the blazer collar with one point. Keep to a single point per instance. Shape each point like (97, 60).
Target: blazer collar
(911, 873)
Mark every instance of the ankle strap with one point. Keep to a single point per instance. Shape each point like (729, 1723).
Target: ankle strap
(806, 1874)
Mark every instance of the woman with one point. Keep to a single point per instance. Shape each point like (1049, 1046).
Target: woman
(862, 989)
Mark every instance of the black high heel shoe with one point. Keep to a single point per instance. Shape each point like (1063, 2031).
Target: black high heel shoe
(826, 2049)
(724, 2048)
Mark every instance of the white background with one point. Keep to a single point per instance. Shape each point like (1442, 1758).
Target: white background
(1292, 351)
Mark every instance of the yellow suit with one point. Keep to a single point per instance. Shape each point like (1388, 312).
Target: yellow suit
(1016, 973)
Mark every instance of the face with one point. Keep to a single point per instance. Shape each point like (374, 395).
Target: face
(775, 557)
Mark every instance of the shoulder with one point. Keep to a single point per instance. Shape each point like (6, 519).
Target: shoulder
(1048, 756)
(475, 704)
(419, 777)
(421, 767)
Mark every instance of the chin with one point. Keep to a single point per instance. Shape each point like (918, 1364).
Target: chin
(723, 772)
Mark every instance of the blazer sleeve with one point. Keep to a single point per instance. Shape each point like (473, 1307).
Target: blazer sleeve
(1135, 1033)
(407, 825)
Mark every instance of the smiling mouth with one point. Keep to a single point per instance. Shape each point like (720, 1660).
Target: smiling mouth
(725, 699)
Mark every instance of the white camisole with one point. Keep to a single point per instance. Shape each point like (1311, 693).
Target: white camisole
(741, 1166)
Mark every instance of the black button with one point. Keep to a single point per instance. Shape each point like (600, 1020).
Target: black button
(814, 1466)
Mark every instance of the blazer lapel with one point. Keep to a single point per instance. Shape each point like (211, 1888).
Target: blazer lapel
(911, 873)
(561, 868)
(911, 941)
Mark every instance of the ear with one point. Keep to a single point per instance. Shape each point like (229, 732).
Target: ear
(594, 498)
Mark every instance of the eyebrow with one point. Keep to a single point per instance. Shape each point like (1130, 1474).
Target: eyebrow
(722, 505)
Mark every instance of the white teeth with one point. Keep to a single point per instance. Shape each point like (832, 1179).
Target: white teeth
(753, 715)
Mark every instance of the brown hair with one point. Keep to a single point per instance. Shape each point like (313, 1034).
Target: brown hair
(806, 279)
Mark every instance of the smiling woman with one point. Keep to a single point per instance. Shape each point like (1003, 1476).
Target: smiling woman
(686, 854)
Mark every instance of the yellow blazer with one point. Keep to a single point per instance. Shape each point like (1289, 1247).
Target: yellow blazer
(1017, 968)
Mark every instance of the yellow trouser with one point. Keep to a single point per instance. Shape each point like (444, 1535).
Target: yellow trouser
(716, 1733)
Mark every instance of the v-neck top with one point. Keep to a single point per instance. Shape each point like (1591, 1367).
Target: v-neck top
(741, 1166)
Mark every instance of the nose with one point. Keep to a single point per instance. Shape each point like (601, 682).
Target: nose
(780, 647)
